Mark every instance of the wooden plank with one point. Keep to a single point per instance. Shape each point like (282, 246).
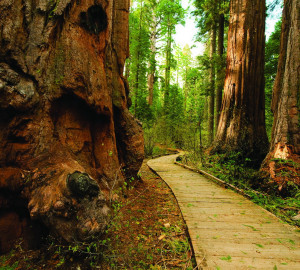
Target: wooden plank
(222, 223)
(217, 262)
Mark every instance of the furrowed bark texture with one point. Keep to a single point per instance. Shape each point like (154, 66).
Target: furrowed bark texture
(285, 143)
(286, 96)
(66, 134)
(242, 120)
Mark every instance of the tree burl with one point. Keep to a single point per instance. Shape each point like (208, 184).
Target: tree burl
(63, 115)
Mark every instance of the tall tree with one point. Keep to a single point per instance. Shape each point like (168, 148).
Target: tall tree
(154, 33)
(183, 66)
(286, 98)
(242, 120)
(220, 66)
(271, 62)
(210, 19)
(206, 12)
(168, 50)
(212, 73)
(171, 14)
(139, 55)
(152, 60)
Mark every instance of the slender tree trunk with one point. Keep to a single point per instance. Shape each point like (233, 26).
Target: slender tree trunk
(211, 101)
(152, 66)
(205, 109)
(137, 75)
(136, 85)
(286, 97)
(220, 70)
(168, 66)
(242, 120)
(185, 89)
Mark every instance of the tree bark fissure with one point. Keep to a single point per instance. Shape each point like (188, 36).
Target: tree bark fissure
(286, 98)
(242, 120)
(63, 110)
(285, 142)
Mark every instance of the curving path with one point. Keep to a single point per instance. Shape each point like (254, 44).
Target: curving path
(227, 230)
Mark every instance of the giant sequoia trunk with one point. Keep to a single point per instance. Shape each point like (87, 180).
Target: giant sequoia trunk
(285, 143)
(285, 100)
(242, 120)
(66, 135)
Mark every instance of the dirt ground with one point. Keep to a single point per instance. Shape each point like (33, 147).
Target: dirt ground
(146, 232)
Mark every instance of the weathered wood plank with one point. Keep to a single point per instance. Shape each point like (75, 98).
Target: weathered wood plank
(227, 230)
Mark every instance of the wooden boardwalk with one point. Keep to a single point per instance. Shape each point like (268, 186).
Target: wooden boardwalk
(227, 230)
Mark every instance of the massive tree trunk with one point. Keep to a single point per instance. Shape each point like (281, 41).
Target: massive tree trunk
(285, 100)
(285, 143)
(66, 134)
(242, 121)
(220, 70)
(211, 97)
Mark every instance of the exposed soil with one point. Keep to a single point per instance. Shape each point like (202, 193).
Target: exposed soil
(147, 232)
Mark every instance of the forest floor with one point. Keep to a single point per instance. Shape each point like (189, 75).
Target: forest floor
(147, 232)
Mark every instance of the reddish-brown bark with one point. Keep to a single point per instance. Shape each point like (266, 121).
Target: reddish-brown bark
(285, 143)
(242, 120)
(285, 100)
(63, 108)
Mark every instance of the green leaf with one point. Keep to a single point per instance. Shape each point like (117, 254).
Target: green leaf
(228, 258)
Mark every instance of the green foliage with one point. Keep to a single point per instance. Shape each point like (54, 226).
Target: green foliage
(139, 56)
(5, 266)
(149, 142)
(271, 61)
(151, 149)
(170, 13)
(176, 117)
(206, 14)
(147, 19)
(227, 258)
(8, 267)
